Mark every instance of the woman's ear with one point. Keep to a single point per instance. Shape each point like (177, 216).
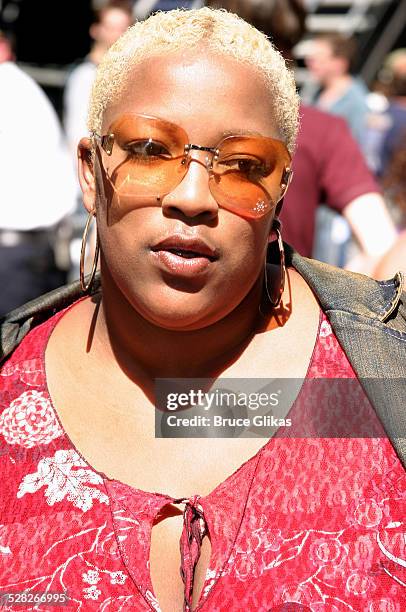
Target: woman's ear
(86, 174)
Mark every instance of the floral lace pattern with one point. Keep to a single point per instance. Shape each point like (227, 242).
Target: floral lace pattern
(61, 480)
(310, 524)
(30, 420)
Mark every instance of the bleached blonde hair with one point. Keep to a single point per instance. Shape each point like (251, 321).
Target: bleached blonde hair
(177, 30)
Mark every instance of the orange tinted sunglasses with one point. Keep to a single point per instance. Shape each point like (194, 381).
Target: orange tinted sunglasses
(148, 158)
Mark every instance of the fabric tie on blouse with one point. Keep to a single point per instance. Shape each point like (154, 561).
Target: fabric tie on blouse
(194, 530)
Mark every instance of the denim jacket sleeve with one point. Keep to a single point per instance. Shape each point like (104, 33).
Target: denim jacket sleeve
(369, 320)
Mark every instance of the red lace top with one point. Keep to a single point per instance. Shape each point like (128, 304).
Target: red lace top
(305, 524)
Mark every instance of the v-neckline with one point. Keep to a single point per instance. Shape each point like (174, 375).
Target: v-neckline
(221, 516)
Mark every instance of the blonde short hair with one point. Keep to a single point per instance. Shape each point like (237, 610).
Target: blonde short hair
(219, 31)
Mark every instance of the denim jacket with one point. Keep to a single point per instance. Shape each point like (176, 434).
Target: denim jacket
(367, 316)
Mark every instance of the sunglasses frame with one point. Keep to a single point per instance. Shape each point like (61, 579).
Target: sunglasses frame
(107, 143)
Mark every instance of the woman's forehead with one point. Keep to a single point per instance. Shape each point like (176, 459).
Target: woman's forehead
(197, 87)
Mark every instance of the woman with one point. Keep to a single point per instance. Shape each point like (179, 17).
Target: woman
(193, 119)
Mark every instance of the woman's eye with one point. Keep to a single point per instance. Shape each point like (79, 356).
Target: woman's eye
(253, 168)
(147, 149)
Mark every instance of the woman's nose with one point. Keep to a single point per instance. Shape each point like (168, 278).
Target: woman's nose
(192, 196)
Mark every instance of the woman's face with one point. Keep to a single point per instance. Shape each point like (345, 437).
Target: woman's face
(186, 263)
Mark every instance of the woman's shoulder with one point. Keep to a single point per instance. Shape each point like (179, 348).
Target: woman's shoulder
(367, 316)
(22, 375)
(32, 346)
(15, 326)
(27, 362)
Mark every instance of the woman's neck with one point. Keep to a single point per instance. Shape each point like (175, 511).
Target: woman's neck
(150, 351)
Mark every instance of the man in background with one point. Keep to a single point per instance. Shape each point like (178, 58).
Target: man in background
(110, 22)
(37, 186)
(330, 61)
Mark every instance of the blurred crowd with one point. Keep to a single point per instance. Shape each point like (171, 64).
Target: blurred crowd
(347, 201)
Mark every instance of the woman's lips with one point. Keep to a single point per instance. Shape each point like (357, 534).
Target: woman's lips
(184, 255)
(177, 264)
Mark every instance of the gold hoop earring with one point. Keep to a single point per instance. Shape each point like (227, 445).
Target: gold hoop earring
(277, 226)
(86, 287)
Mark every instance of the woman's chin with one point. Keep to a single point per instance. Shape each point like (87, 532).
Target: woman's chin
(180, 315)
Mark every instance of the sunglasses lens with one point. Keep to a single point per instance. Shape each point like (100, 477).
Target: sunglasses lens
(146, 158)
(147, 161)
(247, 174)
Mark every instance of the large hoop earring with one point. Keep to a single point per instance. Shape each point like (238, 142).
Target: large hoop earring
(277, 226)
(86, 286)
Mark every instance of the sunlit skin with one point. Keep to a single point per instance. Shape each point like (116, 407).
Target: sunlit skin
(221, 305)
